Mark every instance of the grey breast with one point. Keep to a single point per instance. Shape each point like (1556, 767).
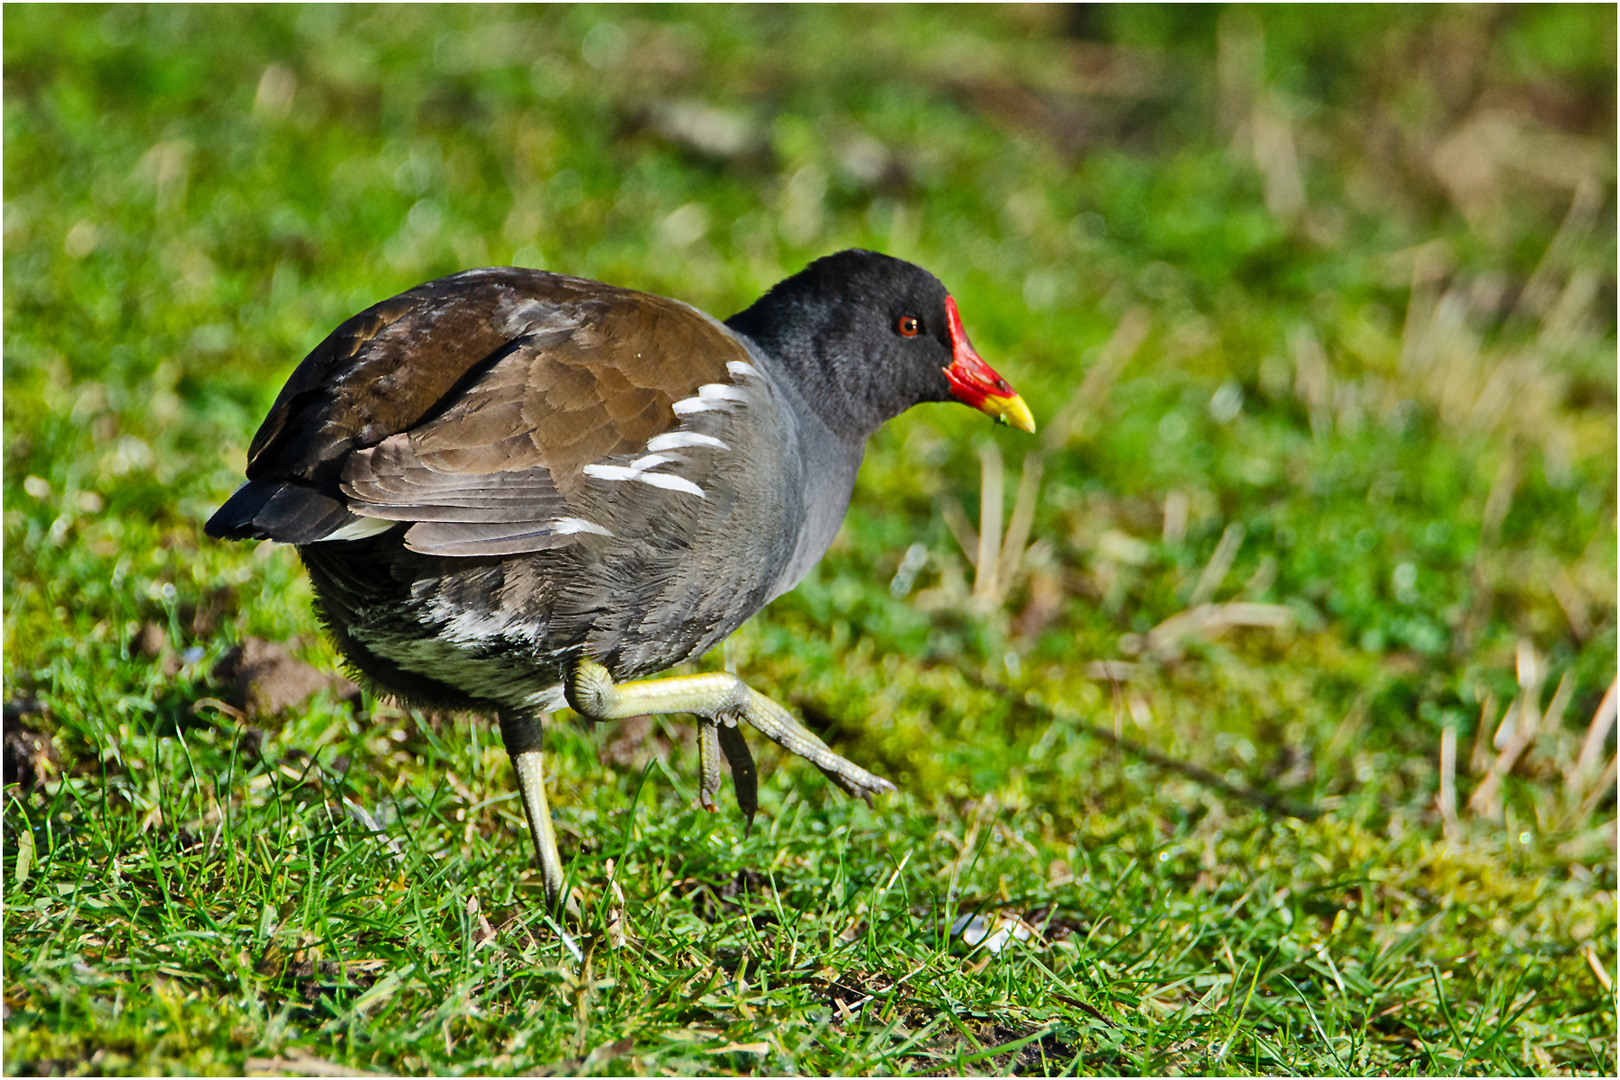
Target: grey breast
(688, 569)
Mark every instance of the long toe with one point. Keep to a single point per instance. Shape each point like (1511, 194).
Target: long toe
(856, 781)
(744, 776)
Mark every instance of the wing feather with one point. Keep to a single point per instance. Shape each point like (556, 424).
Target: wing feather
(470, 407)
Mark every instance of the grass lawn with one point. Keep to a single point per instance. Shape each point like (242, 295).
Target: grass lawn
(1251, 717)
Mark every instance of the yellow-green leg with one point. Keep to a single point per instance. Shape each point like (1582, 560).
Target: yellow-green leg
(523, 735)
(713, 736)
(708, 762)
(720, 700)
(744, 778)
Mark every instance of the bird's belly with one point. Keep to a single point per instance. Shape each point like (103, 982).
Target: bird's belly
(484, 673)
(502, 633)
(436, 636)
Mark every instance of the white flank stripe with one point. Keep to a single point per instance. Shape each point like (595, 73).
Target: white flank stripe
(547, 700)
(360, 529)
(742, 368)
(471, 628)
(675, 440)
(642, 464)
(713, 392)
(686, 406)
(610, 472)
(672, 483)
(568, 525)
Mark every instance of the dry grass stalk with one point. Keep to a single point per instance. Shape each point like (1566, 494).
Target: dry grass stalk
(1169, 640)
(1553, 719)
(360, 814)
(990, 499)
(299, 1063)
(1240, 47)
(962, 530)
(996, 556)
(1276, 158)
(1597, 735)
(1447, 798)
(1071, 420)
(616, 934)
(1430, 264)
(1219, 565)
(1598, 969)
(1541, 291)
(1313, 378)
(1531, 669)
(1480, 759)
(1263, 578)
(1566, 323)
(483, 932)
(1355, 719)
(1511, 392)
(1515, 737)
(1176, 508)
(1506, 729)
(1015, 544)
(1569, 597)
(1495, 151)
(1601, 789)
(1112, 670)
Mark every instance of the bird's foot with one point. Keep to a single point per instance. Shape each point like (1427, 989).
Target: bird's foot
(721, 701)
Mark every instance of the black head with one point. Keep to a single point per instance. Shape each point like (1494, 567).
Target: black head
(869, 336)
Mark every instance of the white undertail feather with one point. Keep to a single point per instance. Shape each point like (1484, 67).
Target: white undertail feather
(359, 529)
(671, 483)
(717, 392)
(677, 440)
(568, 525)
(687, 406)
(710, 397)
(614, 472)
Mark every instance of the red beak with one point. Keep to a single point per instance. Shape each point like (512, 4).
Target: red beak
(976, 383)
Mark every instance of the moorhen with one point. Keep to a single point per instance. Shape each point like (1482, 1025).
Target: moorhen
(514, 489)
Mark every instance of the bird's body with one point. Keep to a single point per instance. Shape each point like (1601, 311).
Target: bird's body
(506, 480)
(575, 566)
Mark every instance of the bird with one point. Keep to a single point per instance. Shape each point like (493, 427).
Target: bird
(515, 490)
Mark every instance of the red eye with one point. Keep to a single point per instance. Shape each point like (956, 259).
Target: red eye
(909, 326)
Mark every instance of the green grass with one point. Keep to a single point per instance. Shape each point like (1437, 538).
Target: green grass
(1316, 311)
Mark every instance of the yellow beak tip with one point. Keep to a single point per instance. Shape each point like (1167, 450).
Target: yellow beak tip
(1011, 410)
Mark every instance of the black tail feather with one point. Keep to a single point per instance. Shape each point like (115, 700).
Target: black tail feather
(278, 510)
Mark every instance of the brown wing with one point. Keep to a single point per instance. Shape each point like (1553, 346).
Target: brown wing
(470, 406)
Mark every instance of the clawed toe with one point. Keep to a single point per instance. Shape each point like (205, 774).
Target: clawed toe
(856, 781)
